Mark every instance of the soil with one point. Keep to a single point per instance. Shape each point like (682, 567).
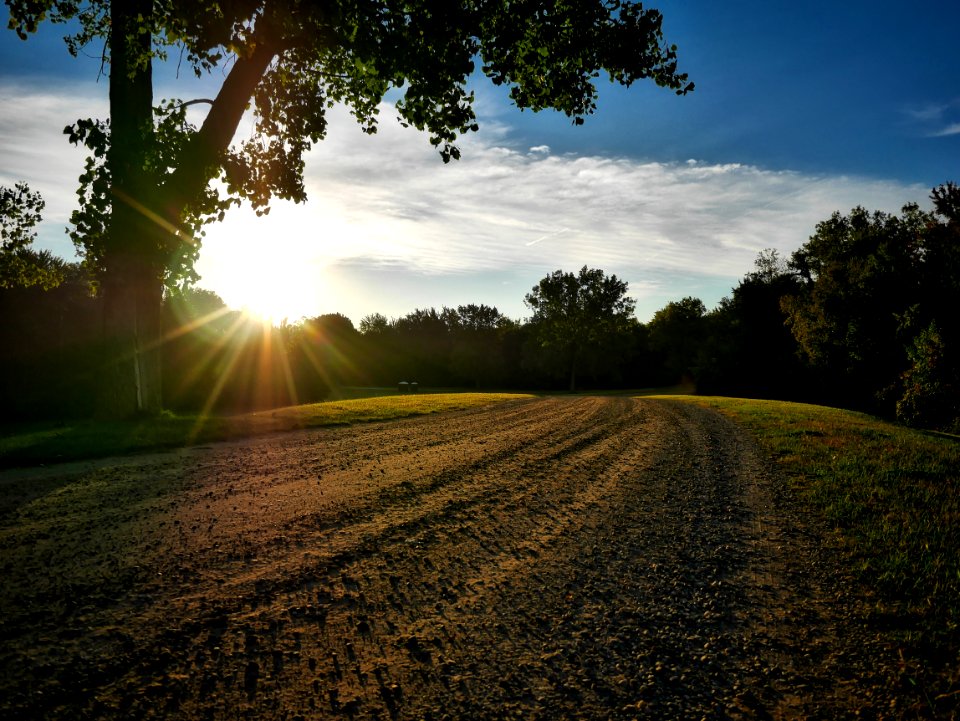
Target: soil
(575, 557)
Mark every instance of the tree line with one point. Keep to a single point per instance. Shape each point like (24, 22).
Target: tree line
(863, 315)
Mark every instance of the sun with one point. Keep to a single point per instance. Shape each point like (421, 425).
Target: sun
(275, 297)
(272, 287)
(277, 268)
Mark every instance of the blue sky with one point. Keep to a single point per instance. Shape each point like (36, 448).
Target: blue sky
(800, 109)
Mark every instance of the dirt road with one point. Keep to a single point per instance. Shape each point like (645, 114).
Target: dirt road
(553, 558)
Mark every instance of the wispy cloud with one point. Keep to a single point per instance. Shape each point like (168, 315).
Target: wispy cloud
(33, 148)
(671, 229)
(952, 129)
(493, 208)
(505, 210)
(936, 120)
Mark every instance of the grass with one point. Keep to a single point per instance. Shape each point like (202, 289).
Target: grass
(37, 444)
(892, 494)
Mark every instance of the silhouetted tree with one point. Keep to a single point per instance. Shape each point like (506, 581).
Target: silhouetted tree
(49, 362)
(424, 341)
(875, 308)
(677, 334)
(859, 276)
(199, 334)
(477, 355)
(147, 188)
(931, 383)
(750, 351)
(325, 353)
(20, 265)
(576, 317)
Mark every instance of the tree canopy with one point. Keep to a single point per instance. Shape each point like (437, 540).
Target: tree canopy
(147, 190)
(578, 315)
(20, 265)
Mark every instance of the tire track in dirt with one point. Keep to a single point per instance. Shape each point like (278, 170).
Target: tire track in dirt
(562, 557)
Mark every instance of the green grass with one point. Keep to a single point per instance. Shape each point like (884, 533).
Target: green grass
(893, 496)
(35, 444)
(892, 493)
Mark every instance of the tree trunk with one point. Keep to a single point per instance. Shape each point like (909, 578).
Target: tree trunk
(137, 244)
(132, 285)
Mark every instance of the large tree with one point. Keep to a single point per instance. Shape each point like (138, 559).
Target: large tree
(677, 333)
(148, 187)
(875, 307)
(859, 277)
(579, 317)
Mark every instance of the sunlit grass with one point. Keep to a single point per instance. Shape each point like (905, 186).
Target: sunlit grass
(51, 443)
(892, 493)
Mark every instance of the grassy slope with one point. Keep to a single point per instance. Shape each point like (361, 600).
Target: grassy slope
(893, 494)
(49, 443)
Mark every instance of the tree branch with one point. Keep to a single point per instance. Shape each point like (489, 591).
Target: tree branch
(195, 101)
(218, 129)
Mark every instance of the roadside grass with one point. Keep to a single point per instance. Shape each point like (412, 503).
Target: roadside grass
(42, 443)
(893, 495)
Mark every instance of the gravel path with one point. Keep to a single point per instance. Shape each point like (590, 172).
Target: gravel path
(595, 558)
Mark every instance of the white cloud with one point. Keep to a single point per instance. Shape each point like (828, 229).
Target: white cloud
(34, 149)
(499, 207)
(671, 229)
(936, 120)
(388, 201)
(952, 129)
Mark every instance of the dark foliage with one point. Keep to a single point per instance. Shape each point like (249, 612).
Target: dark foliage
(863, 315)
(49, 365)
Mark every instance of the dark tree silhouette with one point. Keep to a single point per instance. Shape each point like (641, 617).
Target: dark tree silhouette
(477, 356)
(677, 333)
(875, 310)
(147, 189)
(20, 265)
(324, 354)
(576, 317)
(859, 278)
(750, 351)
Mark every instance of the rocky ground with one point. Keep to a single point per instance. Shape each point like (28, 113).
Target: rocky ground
(589, 558)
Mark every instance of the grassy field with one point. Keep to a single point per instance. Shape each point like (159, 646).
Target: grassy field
(35, 444)
(893, 496)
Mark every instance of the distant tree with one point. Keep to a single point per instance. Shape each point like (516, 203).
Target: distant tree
(940, 265)
(478, 353)
(875, 308)
(375, 323)
(199, 334)
(931, 385)
(146, 191)
(324, 353)
(859, 276)
(677, 333)
(191, 306)
(424, 339)
(577, 317)
(48, 357)
(20, 265)
(749, 350)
